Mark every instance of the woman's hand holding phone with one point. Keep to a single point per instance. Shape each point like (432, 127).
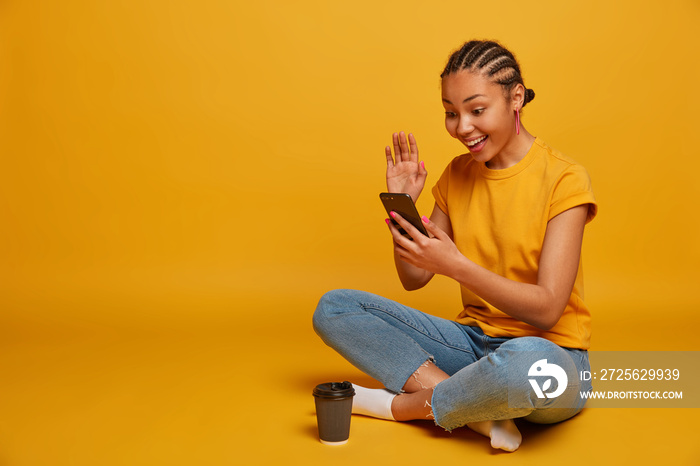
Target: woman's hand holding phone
(404, 172)
(436, 253)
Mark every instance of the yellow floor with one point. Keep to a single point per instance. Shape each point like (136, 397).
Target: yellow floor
(204, 382)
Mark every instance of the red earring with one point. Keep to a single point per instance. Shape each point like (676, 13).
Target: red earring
(517, 121)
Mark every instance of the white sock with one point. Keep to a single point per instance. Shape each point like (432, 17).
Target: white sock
(503, 434)
(375, 402)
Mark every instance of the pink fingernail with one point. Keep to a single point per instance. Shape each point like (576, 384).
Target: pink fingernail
(393, 214)
(422, 164)
(387, 221)
(425, 219)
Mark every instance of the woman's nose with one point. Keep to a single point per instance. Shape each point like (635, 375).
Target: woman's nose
(464, 126)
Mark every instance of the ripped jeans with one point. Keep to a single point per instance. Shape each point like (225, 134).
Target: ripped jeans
(490, 378)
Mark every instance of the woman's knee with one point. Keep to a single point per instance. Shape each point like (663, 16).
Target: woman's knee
(545, 373)
(531, 350)
(331, 306)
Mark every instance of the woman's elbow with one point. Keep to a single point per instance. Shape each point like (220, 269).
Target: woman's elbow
(413, 282)
(550, 317)
(412, 287)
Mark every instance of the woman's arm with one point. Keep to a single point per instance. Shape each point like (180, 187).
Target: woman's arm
(412, 277)
(540, 304)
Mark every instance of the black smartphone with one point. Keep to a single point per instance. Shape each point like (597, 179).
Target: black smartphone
(402, 204)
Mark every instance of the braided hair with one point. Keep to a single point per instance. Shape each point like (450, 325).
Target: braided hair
(492, 59)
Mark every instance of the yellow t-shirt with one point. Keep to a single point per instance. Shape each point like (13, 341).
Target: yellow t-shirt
(499, 219)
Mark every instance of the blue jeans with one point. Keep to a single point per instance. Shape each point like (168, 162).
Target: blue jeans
(490, 378)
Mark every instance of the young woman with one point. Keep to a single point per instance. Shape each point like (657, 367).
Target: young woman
(507, 225)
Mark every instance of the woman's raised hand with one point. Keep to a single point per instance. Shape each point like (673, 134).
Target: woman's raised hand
(404, 173)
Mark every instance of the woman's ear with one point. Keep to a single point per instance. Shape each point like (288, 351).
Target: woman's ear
(517, 96)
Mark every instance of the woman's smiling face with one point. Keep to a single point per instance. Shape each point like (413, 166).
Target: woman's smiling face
(479, 115)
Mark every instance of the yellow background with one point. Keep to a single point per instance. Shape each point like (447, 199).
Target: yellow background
(181, 181)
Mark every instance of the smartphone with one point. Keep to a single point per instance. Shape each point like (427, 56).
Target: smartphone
(402, 204)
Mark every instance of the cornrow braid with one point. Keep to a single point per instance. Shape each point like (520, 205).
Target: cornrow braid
(477, 50)
(491, 58)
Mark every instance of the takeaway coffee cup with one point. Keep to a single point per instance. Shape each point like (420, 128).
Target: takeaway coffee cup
(333, 410)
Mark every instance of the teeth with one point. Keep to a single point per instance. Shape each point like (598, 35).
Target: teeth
(475, 141)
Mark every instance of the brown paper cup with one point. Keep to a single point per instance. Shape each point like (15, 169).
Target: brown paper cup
(333, 411)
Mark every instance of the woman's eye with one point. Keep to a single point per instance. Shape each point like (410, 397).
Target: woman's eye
(449, 115)
(478, 111)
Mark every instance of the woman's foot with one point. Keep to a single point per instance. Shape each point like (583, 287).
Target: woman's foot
(375, 402)
(504, 434)
(383, 404)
